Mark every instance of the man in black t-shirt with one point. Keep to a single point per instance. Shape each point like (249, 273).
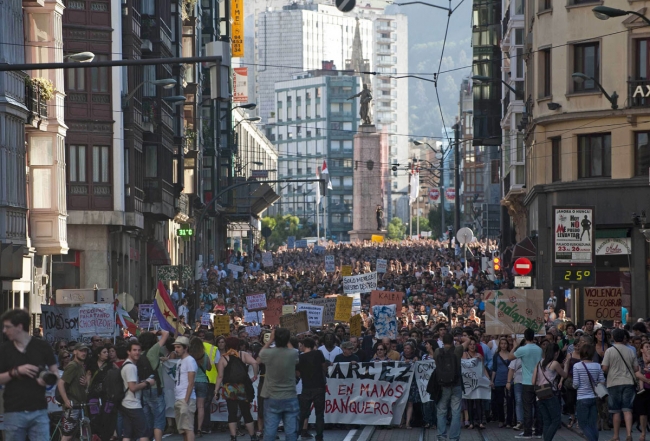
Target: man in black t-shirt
(22, 359)
(312, 367)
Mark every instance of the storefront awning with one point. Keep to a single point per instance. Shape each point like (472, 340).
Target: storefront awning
(525, 248)
(157, 253)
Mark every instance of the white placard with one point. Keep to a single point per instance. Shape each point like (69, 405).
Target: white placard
(267, 259)
(574, 235)
(314, 313)
(206, 319)
(252, 317)
(235, 268)
(382, 265)
(253, 331)
(444, 271)
(97, 319)
(256, 302)
(360, 283)
(356, 302)
(330, 266)
(60, 323)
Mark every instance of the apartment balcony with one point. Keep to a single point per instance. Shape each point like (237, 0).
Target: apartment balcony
(131, 27)
(182, 207)
(36, 104)
(159, 199)
(638, 93)
(133, 114)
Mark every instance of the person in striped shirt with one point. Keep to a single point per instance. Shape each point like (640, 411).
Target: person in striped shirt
(586, 375)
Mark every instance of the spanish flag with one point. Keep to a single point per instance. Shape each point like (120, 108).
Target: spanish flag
(164, 309)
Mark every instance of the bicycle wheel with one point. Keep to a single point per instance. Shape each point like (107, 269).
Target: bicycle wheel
(86, 433)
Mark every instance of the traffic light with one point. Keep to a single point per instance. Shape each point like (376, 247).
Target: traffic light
(496, 263)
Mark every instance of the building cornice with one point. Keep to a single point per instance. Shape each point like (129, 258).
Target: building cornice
(569, 116)
(585, 184)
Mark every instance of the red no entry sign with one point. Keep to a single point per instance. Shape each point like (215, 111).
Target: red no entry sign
(523, 266)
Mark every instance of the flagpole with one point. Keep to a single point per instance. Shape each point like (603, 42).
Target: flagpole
(317, 221)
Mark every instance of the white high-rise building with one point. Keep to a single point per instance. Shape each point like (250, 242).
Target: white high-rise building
(318, 33)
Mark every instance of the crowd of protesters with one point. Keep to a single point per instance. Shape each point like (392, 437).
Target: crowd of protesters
(443, 309)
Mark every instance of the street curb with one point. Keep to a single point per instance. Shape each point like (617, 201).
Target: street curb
(366, 433)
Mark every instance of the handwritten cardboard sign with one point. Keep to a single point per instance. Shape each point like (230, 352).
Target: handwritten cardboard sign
(511, 311)
(355, 326)
(206, 319)
(343, 309)
(329, 305)
(603, 303)
(256, 302)
(346, 270)
(387, 298)
(60, 323)
(273, 312)
(314, 313)
(330, 266)
(267, 259)
(360, 283)
(96, 319)
(382, 265)
(288, 309)
(221, 325)
(296, 323)
(253, 331)
(252, 316)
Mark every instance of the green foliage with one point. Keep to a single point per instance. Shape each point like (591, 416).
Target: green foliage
(424, 224)
(396, 229)
(282, 226)
(434, 220)
(42, 85)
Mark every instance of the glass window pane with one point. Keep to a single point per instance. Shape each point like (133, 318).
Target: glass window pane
(105, 164)
(642, 156)
(40, 151)
(643, 59)
(151, 159)
(72, 163)
(607, 155)
(82, 163)
(41, 188)
(96, 163)
(596, 156)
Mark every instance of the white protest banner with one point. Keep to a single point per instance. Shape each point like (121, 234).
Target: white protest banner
(385, 321)
(356, 302)
(360, 283)
(60, 323)
(256, 302)
(329, 305)
(267, 259)
(423, 371)
(476, 384)
(253, 331)
(361, 393)
(382, 264)
(97, 319)
(314, 313)
(252, 316)
(206, 319)
(330, 267)
(235, 268)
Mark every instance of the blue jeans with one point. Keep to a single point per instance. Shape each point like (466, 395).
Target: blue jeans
(587, 414)
(287, 411)
(519, 402)
(20, 425)
(551, 413)
(429, 413)
(154, 410)
(621, 398)
(450, 397)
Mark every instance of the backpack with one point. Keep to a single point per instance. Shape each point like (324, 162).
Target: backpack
(114, 385)
(235, 372)
(146, 370)
(447, 368)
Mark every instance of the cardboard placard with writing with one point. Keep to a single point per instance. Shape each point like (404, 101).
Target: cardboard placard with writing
(387, 298)
(355, 326)
(256, 302)
(288, 309)
(330, 266)
(360, 283)
(296, 323)
(603, 303)
(346, 270)
(511, 311)
(314, 313)
(329, 308)
(273, 312)
(343, 309)
(221, 325)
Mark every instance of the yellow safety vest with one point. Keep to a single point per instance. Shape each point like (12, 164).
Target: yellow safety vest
(211, 352)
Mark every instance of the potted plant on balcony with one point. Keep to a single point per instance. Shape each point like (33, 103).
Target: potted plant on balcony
(147, 28)
(42, 87)
(187, 9)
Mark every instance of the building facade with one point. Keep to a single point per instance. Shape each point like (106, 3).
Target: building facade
(584, 147)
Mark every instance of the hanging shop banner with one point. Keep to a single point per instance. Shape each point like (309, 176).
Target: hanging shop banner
(511, 311)
(237, 27)
(573, 233)
(614, 246)
(240, 84)
(603, 303)
(97, 319)
(360, 283)
(330, 267)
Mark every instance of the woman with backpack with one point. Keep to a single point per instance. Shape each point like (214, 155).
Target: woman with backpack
(236, 387)
(544, 376)
(201, 383)
(100, 421)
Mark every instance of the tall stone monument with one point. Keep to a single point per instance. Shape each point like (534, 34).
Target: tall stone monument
(368, 188)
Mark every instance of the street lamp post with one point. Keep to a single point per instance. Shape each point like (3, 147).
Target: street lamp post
(483, 79)
(605, 13)
(579, 77)
(165, 83)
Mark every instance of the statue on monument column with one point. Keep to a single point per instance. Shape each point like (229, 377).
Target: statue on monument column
(380, 218)
(364, 108)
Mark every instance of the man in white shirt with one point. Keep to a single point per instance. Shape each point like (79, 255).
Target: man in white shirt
(184, 311)
(135, 422)
(185, 404)
(329, 348)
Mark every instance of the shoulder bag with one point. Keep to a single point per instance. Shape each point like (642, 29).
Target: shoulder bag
(599, 390)
(545, 391)
(634, 382)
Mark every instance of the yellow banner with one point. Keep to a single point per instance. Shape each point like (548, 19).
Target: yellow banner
(237, 16)
(221, 325)
(377, 238)
(343, 309)
(355, 326)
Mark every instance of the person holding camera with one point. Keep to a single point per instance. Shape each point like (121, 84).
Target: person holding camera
(72, 387)
(27, 366)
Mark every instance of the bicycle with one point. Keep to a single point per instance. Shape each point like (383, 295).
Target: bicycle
(85, 433)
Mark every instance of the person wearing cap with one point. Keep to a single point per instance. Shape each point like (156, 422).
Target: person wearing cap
(72, 387)
(185, 404)
(347, 356)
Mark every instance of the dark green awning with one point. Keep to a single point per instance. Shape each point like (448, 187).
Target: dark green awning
(612, 233)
